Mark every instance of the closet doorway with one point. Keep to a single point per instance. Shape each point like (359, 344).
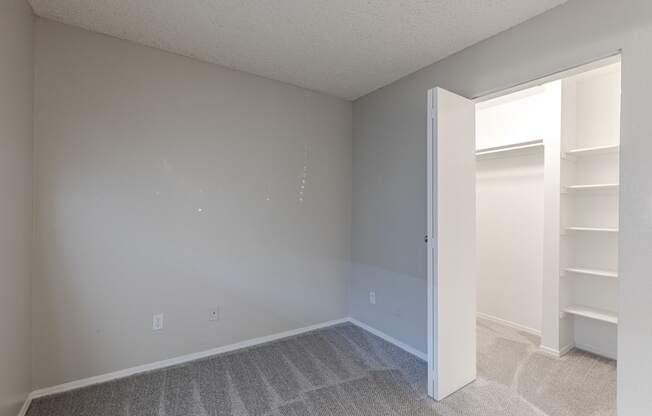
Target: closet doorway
(540, 259)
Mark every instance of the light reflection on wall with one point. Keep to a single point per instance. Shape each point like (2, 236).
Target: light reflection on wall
(304, 175)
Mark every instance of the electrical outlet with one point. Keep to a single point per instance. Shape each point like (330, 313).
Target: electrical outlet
(372, 297)
(157, 322)
(214, 314)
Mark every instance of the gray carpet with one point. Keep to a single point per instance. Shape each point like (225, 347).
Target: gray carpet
(344, 370)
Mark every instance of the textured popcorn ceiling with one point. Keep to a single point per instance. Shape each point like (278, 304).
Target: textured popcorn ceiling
(346, 48)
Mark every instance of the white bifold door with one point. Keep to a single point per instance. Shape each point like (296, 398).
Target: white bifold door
(451, 243)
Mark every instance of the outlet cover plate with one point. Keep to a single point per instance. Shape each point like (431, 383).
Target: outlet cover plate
(157, 322)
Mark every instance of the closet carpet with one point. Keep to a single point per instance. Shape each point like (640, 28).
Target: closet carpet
(344, 370)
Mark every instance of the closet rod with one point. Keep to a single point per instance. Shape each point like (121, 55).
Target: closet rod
(509, 147)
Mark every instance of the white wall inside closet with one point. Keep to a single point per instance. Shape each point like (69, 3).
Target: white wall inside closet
(510, 199)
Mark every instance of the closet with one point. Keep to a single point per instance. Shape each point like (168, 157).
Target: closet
(547, 161)
(510, 133)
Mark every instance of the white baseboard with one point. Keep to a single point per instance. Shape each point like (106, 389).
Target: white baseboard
(566, 349)
(23, 410)
(510, 324)
(595, 350)
(556, 353)
(204, 354)
(172, 361)
(549, 351)
(390, 339)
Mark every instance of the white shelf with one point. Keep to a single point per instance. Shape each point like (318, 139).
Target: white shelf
(592, 313)
(593, 187)
(510, 149)
(597, 150)
(593, 229)
(591, 272)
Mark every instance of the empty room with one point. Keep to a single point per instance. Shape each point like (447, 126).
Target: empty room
(304, 208)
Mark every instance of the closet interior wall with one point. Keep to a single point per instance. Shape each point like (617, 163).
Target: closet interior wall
(510, 203)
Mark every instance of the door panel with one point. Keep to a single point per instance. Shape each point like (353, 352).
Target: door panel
(451, 243)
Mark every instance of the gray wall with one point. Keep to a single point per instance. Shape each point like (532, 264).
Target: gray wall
(389, 158)
(168, 185)
(16, 78)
